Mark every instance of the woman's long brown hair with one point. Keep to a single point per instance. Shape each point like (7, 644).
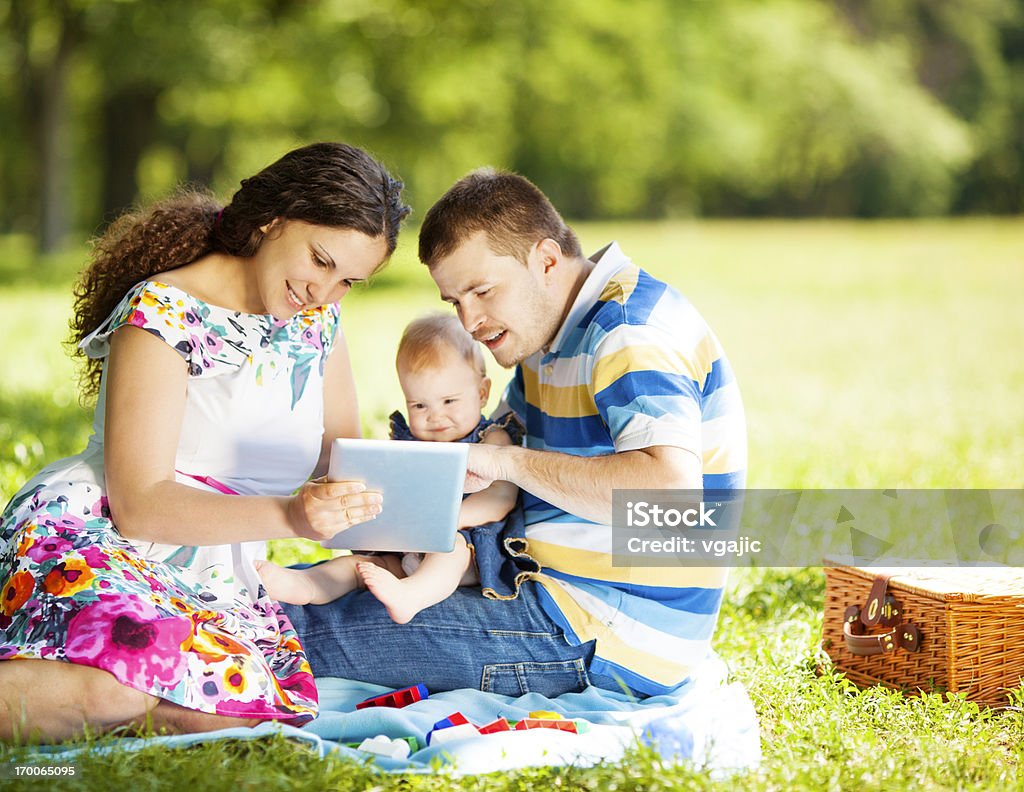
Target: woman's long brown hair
(328, 184)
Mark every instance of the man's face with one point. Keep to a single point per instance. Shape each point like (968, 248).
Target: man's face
(503, 304)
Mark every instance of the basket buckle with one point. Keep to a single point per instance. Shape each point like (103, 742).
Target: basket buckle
(884, 610)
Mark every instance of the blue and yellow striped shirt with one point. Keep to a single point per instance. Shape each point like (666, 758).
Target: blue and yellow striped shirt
(633, 366)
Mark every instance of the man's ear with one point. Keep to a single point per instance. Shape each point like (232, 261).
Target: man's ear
(485, 391)
(549, 254)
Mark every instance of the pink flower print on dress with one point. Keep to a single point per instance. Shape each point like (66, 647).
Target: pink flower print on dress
(311, 335)
(49, 547)
(191, 320)
(212, 343)
(128, 637)
(94, 557)
(137, 318)
(247, 709)
(300, 684)
(101, 509)
(63, 521)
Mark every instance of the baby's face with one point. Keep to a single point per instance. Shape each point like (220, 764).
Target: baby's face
(444, 401)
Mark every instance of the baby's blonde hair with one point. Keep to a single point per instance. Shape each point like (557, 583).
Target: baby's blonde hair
(425, 339)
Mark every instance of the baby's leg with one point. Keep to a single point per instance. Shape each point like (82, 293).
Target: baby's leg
(315, 585)
(435, 579)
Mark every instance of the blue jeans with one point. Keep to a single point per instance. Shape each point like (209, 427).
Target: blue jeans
(510, 647)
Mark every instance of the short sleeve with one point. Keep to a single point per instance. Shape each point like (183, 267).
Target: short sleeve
(398, 429)
(162, 310)
(329, 322)
(648, 386)
(510, 423)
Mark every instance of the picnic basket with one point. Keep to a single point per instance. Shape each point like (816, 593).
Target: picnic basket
(928, 629)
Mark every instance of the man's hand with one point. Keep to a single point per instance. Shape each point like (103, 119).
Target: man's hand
(481, 468)
(583, 486)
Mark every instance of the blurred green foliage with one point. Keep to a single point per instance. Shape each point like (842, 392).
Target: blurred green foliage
(648, 108)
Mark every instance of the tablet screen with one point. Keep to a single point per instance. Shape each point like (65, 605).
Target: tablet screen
(422, 486)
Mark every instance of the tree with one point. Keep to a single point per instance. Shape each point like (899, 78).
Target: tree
(46, 35)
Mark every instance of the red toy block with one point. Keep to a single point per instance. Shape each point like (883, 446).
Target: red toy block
(544, 723)
(500, 725)
(397, 698)
(455, 719)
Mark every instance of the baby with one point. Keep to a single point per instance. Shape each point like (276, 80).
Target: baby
(441, 371)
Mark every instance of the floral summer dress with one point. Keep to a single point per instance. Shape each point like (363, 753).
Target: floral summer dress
(187, 624)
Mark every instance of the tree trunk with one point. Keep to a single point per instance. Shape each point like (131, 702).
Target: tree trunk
(53, 152)
(43, 89)
(129, 127)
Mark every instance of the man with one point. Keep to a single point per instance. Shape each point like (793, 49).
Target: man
(621, 385)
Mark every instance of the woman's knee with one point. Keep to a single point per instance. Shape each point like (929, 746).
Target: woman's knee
(54, 700)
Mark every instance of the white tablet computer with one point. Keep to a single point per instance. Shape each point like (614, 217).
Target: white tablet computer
(422, 486)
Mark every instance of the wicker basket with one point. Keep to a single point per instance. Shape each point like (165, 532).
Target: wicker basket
(969, 622)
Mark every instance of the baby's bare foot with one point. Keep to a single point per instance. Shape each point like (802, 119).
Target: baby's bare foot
(285, 585)
(393, 592)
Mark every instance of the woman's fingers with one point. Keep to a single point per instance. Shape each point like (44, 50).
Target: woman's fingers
(325, 490)
(328, 507)
(360, 508)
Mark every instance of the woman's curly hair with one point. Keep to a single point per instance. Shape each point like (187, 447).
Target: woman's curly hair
(327, 184)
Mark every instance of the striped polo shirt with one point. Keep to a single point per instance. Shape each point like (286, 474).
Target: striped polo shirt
(633, 366)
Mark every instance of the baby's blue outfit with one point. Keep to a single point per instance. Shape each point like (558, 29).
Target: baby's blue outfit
(499, 548)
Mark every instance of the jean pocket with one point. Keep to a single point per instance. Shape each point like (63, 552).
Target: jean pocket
(549, 679)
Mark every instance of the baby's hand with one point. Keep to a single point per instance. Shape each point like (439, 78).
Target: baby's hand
(323, 508)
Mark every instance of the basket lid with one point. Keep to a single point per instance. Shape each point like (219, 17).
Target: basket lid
(953, 582)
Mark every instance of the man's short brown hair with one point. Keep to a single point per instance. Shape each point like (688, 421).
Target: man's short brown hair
(507, 207)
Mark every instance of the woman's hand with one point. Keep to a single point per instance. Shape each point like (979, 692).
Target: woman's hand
(322, 508)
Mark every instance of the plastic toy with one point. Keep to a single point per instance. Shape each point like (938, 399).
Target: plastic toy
(397, 698)
(449, 733)
(455, 719)
(546, 715)
(499, 725)
(547, 723)
(381, 745)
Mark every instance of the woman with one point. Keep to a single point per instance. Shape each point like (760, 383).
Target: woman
(212, 342)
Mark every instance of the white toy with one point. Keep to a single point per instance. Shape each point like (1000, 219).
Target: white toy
(439, 736)
(385, 746)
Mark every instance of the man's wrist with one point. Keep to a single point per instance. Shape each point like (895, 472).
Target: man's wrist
(506, 459)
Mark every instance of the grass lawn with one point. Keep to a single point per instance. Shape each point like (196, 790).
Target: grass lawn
(869, 356)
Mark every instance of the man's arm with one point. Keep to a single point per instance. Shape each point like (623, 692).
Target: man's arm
(583, 485)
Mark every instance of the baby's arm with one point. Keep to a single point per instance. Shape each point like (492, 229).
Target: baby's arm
(495, 502)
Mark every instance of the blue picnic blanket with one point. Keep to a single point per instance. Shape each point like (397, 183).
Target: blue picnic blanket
(706, 720)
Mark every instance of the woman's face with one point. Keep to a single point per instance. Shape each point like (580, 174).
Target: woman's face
(301, 266)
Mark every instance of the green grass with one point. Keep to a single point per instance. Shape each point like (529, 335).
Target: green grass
(869, 355)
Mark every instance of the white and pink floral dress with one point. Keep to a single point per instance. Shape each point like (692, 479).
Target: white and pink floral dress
(187, 624)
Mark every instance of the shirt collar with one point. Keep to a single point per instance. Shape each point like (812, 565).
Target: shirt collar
(607, 261)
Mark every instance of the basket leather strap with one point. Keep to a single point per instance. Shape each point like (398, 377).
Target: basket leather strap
(871, 613)
(905, 636)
